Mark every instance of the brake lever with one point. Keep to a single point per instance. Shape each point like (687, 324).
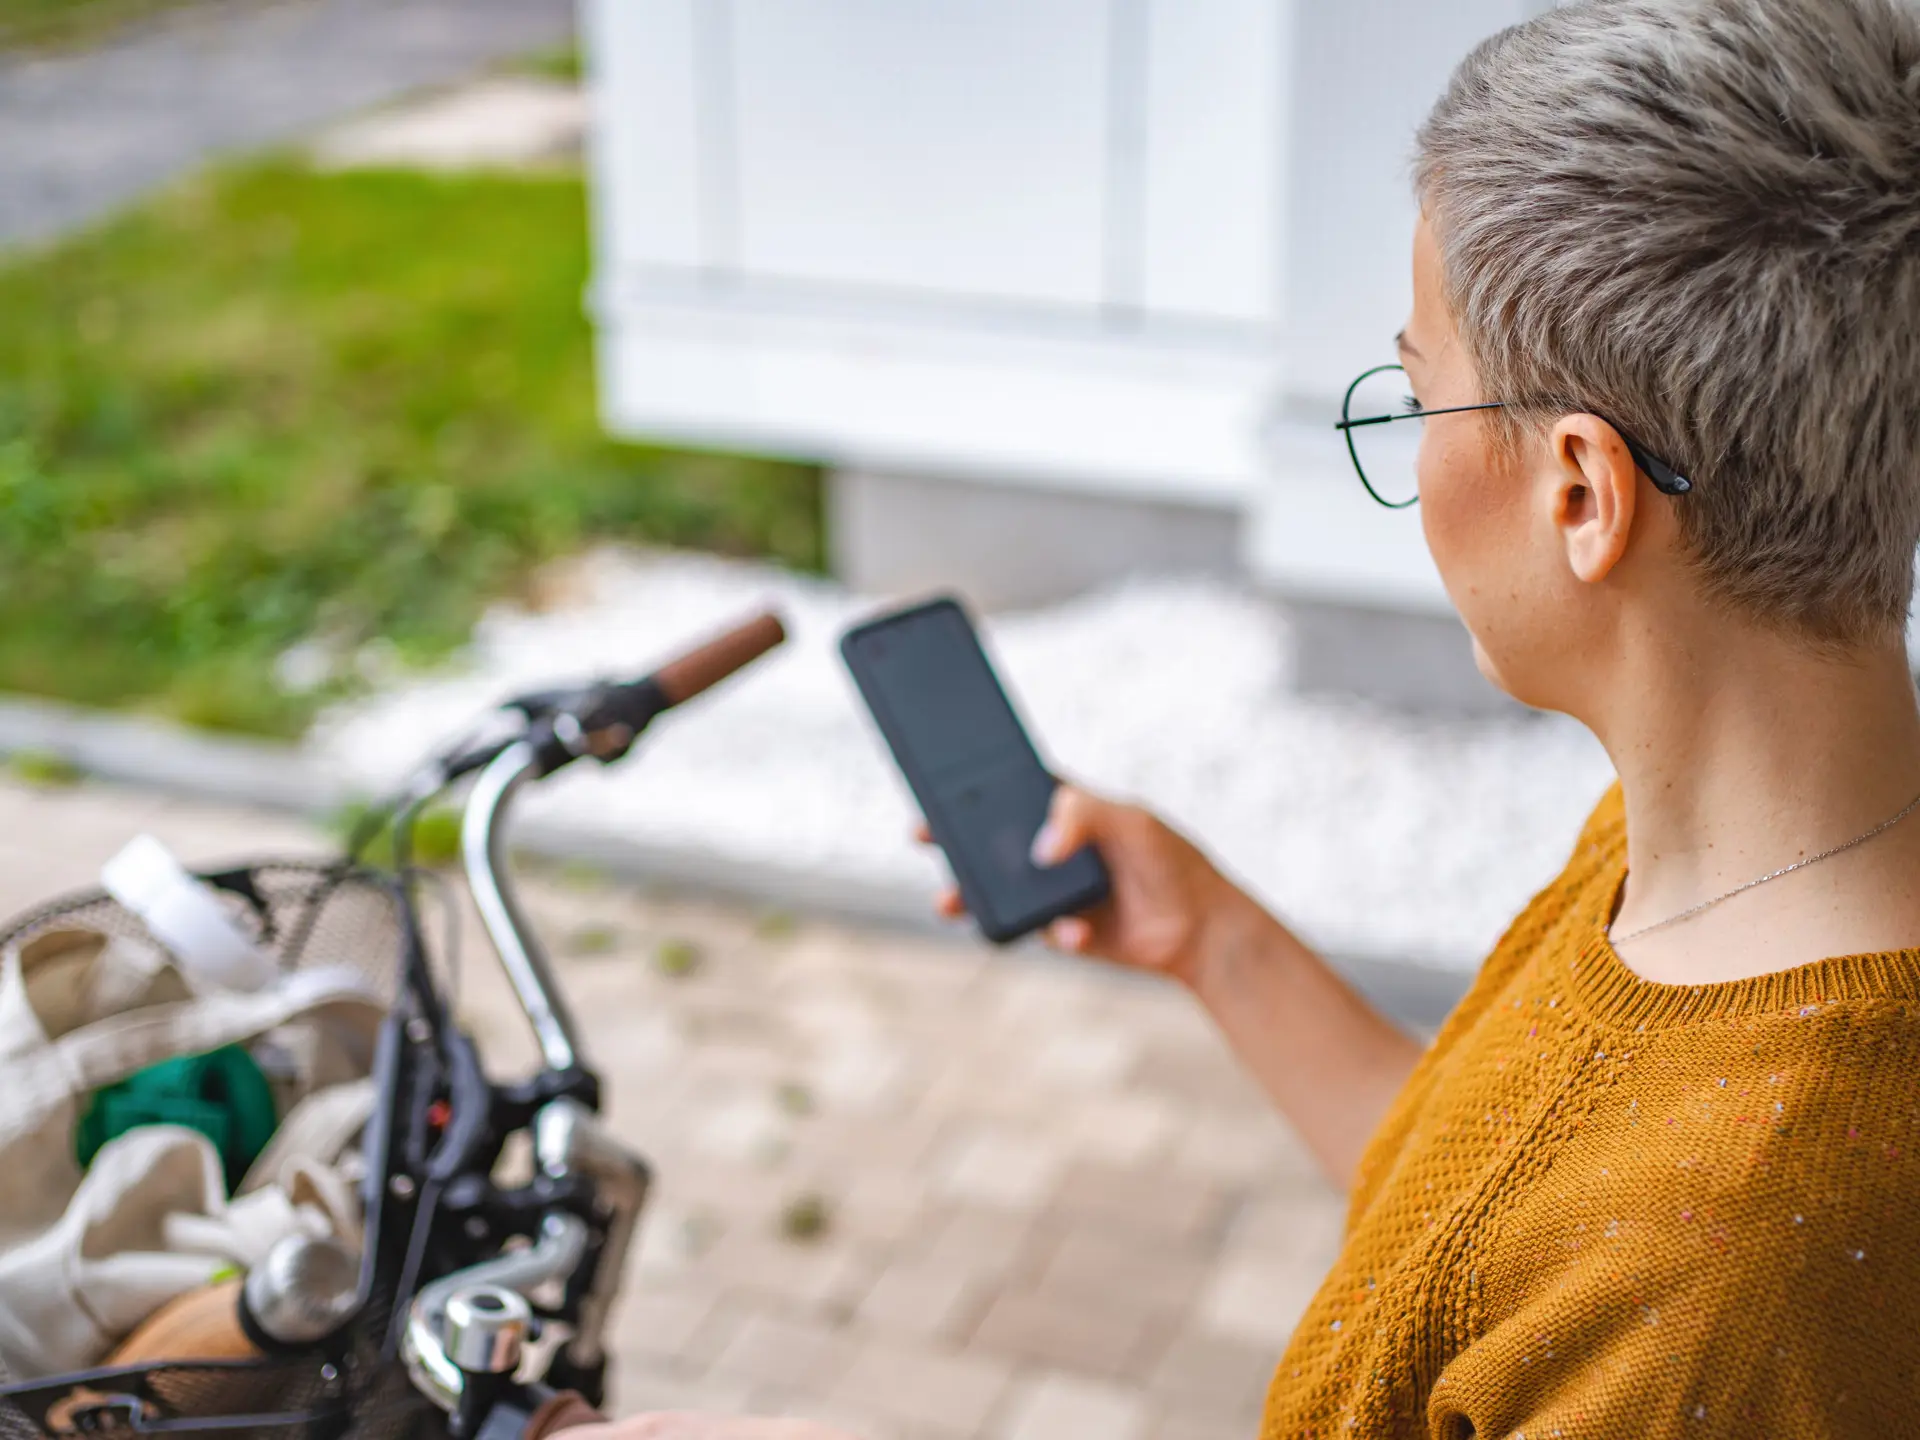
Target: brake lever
(545, 704)
(617, 714)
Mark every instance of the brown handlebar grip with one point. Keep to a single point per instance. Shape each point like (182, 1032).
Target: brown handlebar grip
(697, 670)
(562, 1412)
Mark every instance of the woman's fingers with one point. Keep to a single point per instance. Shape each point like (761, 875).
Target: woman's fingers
(947, 904)
(1073, 823)
(1073, 934)
(1071, 819)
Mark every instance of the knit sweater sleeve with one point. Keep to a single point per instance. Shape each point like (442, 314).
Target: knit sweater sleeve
(1599, 842)
(1727, 1244)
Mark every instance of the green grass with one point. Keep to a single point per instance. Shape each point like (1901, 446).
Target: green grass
(44, 769)
(561, 63)
(47, 24)
(276, 405)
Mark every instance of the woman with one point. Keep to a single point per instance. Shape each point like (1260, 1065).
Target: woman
(1659, 1173)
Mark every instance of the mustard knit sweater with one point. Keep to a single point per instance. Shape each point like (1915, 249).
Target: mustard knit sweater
(1619, 1210)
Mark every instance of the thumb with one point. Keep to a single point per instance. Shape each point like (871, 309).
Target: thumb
(1072, 823)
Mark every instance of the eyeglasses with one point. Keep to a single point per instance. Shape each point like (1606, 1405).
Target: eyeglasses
(1384, 458)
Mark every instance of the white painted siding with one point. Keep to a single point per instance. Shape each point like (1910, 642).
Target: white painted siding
(921, 145)
(646, 147)
(1215, 145)
(1127, 245)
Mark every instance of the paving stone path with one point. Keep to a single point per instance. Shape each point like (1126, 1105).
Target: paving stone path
(82, 134)
(1048, 1206)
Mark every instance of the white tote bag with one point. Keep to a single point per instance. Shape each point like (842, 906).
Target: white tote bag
(80, 1263)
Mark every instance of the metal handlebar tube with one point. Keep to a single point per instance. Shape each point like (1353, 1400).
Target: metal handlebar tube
(569, 1140)
(483, 852)
(551, 1259)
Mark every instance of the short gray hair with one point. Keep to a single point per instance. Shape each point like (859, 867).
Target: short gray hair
(1700, 219)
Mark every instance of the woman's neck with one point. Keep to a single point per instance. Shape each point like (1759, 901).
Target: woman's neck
(1746, 755)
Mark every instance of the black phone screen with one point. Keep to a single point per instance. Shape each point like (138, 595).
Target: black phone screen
(977, 776)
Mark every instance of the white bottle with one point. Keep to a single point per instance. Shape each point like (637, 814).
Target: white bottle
(185, 915)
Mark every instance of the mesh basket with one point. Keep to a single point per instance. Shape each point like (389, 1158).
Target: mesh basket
(306, 915)
(344, 1395)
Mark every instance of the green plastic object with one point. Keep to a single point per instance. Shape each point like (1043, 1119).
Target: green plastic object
(223, 1094)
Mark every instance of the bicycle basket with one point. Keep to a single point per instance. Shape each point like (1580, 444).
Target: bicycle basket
(305, 915)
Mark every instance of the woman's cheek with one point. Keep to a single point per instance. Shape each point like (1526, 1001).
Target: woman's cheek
(1447, 503)
(1467, 530)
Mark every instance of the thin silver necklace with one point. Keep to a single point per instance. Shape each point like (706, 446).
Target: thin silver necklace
(1883, 826)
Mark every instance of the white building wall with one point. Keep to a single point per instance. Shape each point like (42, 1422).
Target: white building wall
(1128, 247)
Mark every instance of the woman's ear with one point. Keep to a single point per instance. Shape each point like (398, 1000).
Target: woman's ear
(1595, 485)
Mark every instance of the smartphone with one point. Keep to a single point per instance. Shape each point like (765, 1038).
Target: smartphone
(966, 756)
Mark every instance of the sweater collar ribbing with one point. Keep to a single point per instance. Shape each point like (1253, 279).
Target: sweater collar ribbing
(1613, 995)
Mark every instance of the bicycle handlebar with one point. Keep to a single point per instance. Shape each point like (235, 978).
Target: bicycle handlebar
(609, 715)
(707, 665)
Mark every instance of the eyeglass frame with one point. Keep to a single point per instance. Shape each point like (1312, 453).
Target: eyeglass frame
(1665, 478)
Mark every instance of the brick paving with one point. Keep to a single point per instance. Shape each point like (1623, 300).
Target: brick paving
(1053, 1209)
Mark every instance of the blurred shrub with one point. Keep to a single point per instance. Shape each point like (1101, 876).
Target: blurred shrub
(435, 840)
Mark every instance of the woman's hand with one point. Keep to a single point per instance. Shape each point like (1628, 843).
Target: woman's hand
(1167, 897)
(678, 1426)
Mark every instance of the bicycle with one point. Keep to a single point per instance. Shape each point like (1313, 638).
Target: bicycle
(480, 1305)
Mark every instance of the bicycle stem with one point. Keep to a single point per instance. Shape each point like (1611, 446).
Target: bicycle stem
(484, 856)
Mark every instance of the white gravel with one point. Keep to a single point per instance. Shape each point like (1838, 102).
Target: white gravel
(1373, 834)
